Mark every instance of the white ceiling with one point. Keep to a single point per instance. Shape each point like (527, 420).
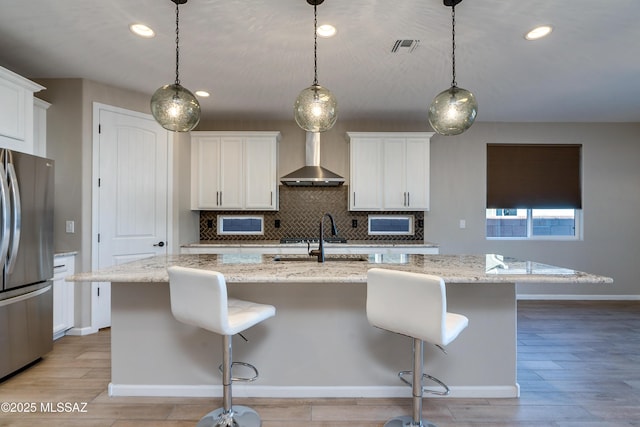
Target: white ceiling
(255, 56)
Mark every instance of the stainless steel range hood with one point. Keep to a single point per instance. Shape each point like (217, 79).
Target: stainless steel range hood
(312, 174)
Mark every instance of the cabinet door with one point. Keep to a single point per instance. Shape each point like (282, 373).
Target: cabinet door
(16, 111)
(417, 178)
(205, 172)
(260, 173)
(58, 307)
(16, 117)
(63, 296)
(365, 174)
(231, 173)
(394, 173)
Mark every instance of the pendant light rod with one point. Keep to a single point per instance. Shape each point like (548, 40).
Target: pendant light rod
(452, 4)
(315, 44)
(315, 4)
(178, 3)
(453, 44)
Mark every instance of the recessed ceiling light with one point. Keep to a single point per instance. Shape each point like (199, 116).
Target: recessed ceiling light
(142, 30)
(539, 32)
(202, 93)
(326, 30)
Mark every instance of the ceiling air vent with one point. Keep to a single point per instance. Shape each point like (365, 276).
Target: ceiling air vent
(405, 46)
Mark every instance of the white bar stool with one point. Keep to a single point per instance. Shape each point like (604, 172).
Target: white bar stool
(414, 305)
(199, 298)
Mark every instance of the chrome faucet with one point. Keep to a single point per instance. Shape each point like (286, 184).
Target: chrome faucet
(334, 232)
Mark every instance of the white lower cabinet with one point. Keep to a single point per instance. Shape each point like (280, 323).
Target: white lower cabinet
(63, 295)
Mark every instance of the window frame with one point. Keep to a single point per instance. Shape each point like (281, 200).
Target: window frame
(222, 232)
(577, 236)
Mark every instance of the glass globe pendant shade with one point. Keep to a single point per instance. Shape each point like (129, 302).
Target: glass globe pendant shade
(316, 109)
(175, 108)
(453, 111)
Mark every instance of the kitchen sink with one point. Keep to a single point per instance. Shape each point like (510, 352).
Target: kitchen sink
(330, 258)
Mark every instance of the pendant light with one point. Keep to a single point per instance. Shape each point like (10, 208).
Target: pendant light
(173, 106)
(315, 109)
(454, 110)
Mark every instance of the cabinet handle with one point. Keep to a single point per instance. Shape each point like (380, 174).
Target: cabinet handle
(221, 198)
(404, 200)
(354, 198)
(217, 198)
(408, 199)
(271, 203)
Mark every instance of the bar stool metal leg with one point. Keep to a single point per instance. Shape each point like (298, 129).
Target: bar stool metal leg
(416, 419)
(229, 415)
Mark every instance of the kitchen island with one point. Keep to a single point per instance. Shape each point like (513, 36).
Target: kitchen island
(319, 344)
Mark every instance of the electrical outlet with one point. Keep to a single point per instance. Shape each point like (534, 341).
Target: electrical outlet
(354, 223)
(420, 223)
(209, 223)
(276, 223)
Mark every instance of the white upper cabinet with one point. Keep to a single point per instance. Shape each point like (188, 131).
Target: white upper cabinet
(261, 173)
(365, 190)
(234, 170)
(40, 127)
(389, 171)
(16, 111)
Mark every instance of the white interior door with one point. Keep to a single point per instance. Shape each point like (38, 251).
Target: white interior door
(131, 196)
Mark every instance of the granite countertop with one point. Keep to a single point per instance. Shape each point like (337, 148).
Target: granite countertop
(276, 243)
(257, 268)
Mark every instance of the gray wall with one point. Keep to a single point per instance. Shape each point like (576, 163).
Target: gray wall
(611, 182)
(611, 201)
(70, 142)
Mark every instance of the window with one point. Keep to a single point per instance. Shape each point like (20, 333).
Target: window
(240, 224)
(557, 224)
(391, 225)
(534, 191)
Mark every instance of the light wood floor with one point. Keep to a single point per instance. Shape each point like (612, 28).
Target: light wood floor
(579, 365)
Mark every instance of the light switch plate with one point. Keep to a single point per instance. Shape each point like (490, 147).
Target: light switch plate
(70, 227)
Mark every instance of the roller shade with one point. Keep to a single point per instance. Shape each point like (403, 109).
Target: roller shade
(539, 176)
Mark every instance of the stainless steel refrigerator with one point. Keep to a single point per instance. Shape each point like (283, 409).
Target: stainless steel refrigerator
(26, 259)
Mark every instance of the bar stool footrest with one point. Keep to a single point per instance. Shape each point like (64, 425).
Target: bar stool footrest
(241, 379)
(444, 392)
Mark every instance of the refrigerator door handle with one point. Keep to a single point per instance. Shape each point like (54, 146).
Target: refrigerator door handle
(14, 192)
(6, 217)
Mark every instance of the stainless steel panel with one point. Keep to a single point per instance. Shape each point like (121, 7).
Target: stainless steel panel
(26, 325)
(33, 261)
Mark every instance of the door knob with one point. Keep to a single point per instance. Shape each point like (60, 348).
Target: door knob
(161, 244)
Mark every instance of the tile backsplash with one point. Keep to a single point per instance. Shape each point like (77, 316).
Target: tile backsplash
(299, 216)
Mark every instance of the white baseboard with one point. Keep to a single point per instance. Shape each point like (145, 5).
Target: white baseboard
(573, 297)
(240, 390)
(81, 331)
